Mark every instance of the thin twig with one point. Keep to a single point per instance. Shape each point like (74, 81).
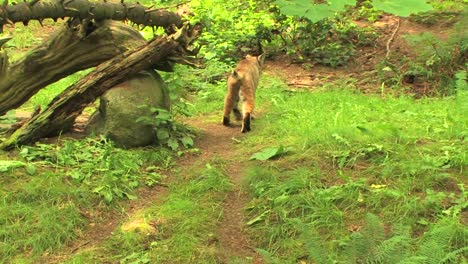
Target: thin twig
(80, 246)
(391, 39)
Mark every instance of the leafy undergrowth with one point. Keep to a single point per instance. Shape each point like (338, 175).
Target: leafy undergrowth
(335, 177)
(366, 179)
(50, 190)
(180, 229)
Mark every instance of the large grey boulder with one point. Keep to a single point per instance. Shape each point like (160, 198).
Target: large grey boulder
(120, 107)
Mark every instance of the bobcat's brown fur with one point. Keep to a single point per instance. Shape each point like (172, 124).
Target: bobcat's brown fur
(242, 83)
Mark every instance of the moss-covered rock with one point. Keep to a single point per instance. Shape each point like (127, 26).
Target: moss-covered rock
(120, 107)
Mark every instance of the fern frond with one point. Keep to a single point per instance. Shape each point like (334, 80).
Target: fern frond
(455, 256)
(267, 256)
(441, 241)
(317, 252)
(374, 229)
(363, 245)
(392, 250)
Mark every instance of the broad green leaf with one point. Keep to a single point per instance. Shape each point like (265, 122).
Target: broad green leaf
(31, 169)
(130, 196)
(268, 153)
(187, 141)
(164, 115)
(76, 174)
(402, 8)
(98, 189)
(173, 144)
(162, 134)
(7, 165)
(311, 11)
(258, 218)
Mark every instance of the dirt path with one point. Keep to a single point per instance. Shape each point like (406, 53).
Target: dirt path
(214, 141)
(219, 141)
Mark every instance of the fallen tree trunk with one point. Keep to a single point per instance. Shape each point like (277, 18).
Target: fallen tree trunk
(87, 9)
(68, 50)
(62, 110)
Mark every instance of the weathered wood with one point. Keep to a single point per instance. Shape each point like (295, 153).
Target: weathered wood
(87, 9)
(68, 50)
(3, 56)
(63, 110)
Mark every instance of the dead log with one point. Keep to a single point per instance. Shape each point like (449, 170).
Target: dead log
(62, 110)
(87, 9)
(70, 49)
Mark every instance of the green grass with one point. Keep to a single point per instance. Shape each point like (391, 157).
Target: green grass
(184, 224)
(43, 201)
(400, 159)
(198, 91)
(39, 213)
(45, 95)
(366, 178)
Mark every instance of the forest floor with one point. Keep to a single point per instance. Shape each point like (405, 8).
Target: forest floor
(215, 141)
(220, 143)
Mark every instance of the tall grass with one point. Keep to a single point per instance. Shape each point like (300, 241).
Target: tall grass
(398, 158)
(183, 223)
(47, 202)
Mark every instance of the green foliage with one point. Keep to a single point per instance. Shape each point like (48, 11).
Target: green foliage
(47, 204)
(230, 28)
(439, 61)
(317, 12)
(269, 153)
(330, 42)
(461, 83)
(402, 8)
(184, 220)
(107, 171)
(313, 12)
(372, 245)
(195, 91)
(367, 12)
(8, 165)
(435, 17)
(356, 154)
(168, 132)
(38, 213)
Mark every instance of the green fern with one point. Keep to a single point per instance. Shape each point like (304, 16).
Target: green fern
(444, 243)
(392, 250)
(460, 81)
(455, 256)
(439, 245)
(316, 250)
(365, 244)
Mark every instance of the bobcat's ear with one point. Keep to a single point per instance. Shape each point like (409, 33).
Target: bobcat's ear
(261, 59)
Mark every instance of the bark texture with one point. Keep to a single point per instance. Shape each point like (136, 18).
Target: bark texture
(87, 9)
(63, 110)
(75, 46)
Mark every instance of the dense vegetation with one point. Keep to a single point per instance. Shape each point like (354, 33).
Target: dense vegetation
(361, 168)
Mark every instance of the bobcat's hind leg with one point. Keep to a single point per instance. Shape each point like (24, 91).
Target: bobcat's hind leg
(248, 105)
(246, 123)
(237, 113)
(231, 105)
(228, 107)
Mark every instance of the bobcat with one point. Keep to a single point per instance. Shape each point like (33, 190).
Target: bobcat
(243, 82)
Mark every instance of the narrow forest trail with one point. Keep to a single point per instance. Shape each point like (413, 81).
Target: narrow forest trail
(219, 141)
(214, 142)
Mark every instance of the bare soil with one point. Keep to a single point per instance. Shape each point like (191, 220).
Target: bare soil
(363, 66)
(216, 140)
